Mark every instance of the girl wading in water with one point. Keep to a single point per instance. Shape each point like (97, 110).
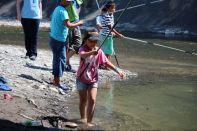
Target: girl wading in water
(87, 74)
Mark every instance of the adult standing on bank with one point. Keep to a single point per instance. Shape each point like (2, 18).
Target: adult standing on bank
(30, 16)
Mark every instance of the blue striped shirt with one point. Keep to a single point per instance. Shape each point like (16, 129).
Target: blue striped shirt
(108, 19)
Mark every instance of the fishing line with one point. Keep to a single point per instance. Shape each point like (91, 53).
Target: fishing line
(140, 5)
(164, 46)
(91, 16)
(95, 13)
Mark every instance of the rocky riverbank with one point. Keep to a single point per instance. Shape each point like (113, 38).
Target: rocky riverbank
(15, 23)
(33, 95)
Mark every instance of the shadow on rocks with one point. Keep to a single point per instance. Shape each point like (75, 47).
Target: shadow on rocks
(6, 125)
(29, 78)
(37, 67)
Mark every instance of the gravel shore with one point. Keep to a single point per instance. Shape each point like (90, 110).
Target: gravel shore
(33, 95)
(15, 23)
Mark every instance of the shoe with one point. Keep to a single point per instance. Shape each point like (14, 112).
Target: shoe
(33, 57)
(68, 68)
(26, 56)
(63, 87)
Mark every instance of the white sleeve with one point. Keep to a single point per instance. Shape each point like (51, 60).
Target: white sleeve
(98, 20)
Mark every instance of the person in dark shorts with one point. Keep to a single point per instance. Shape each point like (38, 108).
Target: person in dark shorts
(74, 36)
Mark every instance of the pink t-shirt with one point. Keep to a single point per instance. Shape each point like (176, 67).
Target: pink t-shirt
(90, 75)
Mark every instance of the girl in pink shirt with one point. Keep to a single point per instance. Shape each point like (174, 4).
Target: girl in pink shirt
(87, 74)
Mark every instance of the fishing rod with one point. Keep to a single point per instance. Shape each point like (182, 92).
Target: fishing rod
(116, 60)
(108, 34)
(155, 44)
(98, 4)
(140, 5)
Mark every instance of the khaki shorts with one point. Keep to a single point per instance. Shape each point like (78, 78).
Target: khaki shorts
(74, 40)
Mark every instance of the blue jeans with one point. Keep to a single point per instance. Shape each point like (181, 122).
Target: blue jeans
(59, 56)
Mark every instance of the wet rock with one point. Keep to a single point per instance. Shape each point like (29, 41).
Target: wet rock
(54, 89)
(70, 124)
(31, 101)
(35, 87)
(42, 87)
(61, 92)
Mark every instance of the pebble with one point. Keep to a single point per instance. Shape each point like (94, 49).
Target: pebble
(70, 124)
(42, 87)
(54, 89)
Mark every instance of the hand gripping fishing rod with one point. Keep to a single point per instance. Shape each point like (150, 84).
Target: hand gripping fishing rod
(164, 46)
(108, 34)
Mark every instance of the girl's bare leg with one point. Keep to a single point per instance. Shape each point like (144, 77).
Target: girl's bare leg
(82, 104)
(92, 92)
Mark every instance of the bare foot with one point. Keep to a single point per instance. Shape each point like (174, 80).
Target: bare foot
(84, 121)
(91, 124)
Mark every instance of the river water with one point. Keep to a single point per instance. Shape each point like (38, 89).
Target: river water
(162, 97)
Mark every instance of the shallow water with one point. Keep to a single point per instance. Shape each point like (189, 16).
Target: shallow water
(162, 97)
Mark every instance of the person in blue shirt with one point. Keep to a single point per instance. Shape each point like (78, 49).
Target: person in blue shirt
(30, 16)
(59, 31)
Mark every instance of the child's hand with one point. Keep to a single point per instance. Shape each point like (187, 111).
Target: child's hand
(121, 74)
(121, 35)
(18, 17)
(81, 22)
(94, 52)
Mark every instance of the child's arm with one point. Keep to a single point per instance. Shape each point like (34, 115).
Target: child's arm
(18, 13)
(98, 22)
(116, 32)
(70, 25)
(89, 53)
(99, 26)
(40, 6)
(114, 68)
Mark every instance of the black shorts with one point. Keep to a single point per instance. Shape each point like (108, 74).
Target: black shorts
(74, 40)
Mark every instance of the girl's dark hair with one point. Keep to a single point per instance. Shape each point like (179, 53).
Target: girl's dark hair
(109, 4)
(104, 9)
(87, 34)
